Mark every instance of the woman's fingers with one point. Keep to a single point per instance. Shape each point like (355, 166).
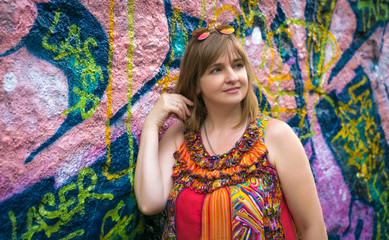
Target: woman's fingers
(187, 101)
(181, 110)
(184, 106)
(171, 104)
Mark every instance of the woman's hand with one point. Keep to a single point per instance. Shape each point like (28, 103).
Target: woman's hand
(169, 104)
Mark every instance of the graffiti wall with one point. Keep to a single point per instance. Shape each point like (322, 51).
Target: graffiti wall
(78, 77)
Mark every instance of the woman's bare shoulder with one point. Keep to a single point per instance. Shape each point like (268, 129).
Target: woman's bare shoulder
(277, 129)
(279, 139)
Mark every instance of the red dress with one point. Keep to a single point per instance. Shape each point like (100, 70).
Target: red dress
(236, 196)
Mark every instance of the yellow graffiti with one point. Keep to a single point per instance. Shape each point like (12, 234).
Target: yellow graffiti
(120, 228)
(109, 93)
(121, 223)
(129, 73)
(249, 19)
(313, 30)
(248, 22)
(319, 45)
(166, 80)
(89, 71)
(362, 156)
(231, 9)
(379, 10)
(176, 19)
(65, 210)
(317, 40)
(202, 13)
(324, 32)
(130, 52)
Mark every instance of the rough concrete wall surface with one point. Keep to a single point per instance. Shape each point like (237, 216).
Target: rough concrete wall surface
(77, 79)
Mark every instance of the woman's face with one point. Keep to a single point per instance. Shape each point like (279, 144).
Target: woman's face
(224, 82)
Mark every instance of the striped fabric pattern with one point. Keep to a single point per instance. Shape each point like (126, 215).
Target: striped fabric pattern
(216, 220)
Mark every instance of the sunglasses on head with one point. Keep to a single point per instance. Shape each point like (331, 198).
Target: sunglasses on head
(203, 33)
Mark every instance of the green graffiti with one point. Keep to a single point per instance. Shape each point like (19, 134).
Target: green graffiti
(373, 10)
(77, 233)
(90, 66)
(45, 44)
(64, 211)
(66, 48)
(84, 98)
(121, 223)
(33, 216)
(72, 46)
(12, 217)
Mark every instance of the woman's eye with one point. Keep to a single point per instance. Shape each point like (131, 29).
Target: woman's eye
(239, 65)
(215, 70)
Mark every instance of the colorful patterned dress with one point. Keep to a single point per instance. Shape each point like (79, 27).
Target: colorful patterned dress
(236, 196)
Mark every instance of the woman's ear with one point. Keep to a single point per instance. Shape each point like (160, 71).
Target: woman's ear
(198, 90)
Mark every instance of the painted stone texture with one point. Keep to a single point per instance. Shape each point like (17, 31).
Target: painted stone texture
(77, 79)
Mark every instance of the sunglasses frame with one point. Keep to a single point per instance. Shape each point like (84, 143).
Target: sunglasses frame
(203, 33)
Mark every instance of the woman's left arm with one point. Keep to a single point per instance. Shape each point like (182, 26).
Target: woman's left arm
(287, 155)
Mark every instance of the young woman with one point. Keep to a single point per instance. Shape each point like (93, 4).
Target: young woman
(224, 171)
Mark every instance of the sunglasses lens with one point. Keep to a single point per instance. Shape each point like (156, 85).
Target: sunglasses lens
(203, 35)
(225, 29)
(200, 34)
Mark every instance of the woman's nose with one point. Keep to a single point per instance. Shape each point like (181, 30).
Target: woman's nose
(231, 75)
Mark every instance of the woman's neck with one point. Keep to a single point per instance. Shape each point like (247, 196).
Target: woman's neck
(223, 118)
(221, 130)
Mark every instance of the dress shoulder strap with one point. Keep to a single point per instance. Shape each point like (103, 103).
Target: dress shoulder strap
(262, 121)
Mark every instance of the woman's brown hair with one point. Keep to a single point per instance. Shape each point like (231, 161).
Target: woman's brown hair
(198, 56)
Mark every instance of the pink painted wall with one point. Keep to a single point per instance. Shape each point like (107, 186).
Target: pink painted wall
(77, 79)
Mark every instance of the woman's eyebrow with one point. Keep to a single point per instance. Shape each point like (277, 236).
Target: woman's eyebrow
(217, 64)
(238, 59)
(221, 64)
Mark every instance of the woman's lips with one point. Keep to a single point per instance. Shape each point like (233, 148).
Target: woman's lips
(232, 90)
